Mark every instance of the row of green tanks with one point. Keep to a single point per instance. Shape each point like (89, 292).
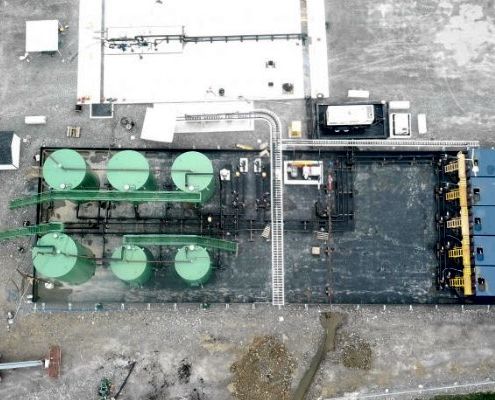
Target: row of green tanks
(129, 170)
(59, 257)
(133, 264)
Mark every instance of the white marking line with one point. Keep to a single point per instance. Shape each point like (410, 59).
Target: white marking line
(413, 391)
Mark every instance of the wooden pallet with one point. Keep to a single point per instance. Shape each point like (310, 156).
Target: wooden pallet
(74, 131)
(55, 359)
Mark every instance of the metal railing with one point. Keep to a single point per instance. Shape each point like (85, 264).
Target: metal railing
(40, 229)
(107, 195)
(388, 143)
(181, 240)
(155, 40)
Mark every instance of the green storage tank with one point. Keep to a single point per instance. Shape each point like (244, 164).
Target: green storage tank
(193, 172)
(66, 169)
(58, 257)
(129, 170)
(132, 264)
(193, 265)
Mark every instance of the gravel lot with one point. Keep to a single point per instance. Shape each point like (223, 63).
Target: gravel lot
(437, 54)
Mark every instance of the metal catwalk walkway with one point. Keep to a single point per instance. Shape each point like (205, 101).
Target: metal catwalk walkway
(388, 143)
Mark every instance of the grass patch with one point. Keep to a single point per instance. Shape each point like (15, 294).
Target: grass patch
(473, 396)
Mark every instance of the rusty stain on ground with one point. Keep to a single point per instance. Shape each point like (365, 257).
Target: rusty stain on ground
(215, 344)
(419, 369)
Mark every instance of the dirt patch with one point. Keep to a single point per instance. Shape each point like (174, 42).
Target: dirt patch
(264, 372)
(184, 371)
(357, 354)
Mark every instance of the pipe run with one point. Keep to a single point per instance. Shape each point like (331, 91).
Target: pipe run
(22, 364)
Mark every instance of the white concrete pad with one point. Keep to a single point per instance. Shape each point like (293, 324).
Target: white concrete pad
(422, 130)
(192, 72)
(207, 17)
(318, 52)
(159, 124)
(201, 70)
(41, 36)
(89, 56)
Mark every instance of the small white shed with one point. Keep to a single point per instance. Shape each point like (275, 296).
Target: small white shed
(42, 36)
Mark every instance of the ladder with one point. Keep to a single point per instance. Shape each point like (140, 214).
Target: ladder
(40, 229)
(454, 223)
(323, 235)
(456, 252)
(451, 167)
(452, 195)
